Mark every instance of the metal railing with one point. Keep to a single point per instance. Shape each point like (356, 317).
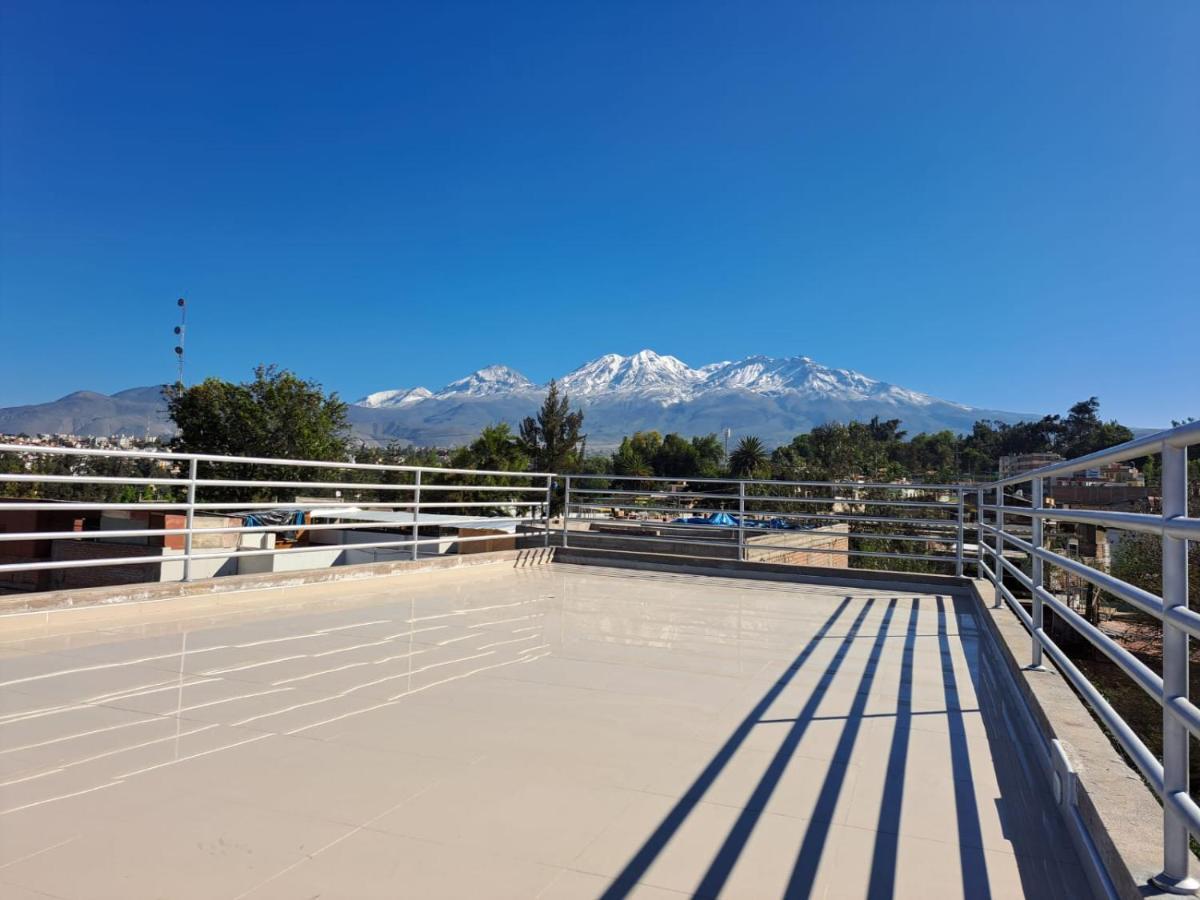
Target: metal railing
(414, 495)
(1169, 777)
(814, 522)
(888, 525)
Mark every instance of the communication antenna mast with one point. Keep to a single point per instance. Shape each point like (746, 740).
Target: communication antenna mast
(180, 335)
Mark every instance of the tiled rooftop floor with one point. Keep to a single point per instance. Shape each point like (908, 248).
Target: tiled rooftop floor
(556, 732)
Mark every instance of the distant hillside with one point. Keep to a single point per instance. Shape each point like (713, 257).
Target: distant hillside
(137, 412)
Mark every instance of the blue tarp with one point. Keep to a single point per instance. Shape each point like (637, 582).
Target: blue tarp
(728, 521)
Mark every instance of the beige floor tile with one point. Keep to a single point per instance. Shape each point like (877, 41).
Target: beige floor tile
(374, 865)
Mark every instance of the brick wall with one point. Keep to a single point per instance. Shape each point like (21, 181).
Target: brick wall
(63, 579)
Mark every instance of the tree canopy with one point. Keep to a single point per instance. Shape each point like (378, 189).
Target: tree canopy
(277, 414)
(553, 439)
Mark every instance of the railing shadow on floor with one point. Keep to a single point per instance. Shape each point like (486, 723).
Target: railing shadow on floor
(627, 879)
(1022, 806)
(882, 877)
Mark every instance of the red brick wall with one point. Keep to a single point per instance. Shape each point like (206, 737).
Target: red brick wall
(102, 575)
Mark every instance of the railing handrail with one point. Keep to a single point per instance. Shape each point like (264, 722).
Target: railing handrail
(1170, 778)
(1179, 437)
(170, 456)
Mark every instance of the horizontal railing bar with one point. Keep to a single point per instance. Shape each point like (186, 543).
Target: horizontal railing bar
(697, 495)
(89, 479)
(356, 525)
(55, 506)
(233, 554)
(685, 541)
(356, 486)
(1143, 600)
(1145, 761)
(878, 554)
(1182, 527)
(1015, 605)
(1141, 673)
(849, 485)
(985, 571)
(332, 502)
(820, 517)
(256, 460)
(1181, 436)
(768, 498)
(625, 536)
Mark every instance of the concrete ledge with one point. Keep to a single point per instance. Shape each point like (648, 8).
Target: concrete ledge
(1120, 814)
(733, 568)
(131, 593)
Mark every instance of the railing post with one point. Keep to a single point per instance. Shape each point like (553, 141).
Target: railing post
(190, 520)
(958, 555)
(998, 567)
(546, 508)
(1035, 657)
(416, 549)
(979, 532)
(741, 529)
(1176, 852)
(566, 507)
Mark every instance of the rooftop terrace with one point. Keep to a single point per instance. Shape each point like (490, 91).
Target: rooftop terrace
(558, 731)
(633, 687)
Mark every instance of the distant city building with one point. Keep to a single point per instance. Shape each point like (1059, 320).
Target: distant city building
(1018, 463)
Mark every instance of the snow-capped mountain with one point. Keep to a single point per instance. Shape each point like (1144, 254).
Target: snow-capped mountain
(486, 382)
(394, 398)
(774, 398)
(667, 380)
(646, 373)
(799, 374)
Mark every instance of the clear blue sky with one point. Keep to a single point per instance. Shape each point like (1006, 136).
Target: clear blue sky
(388, 194)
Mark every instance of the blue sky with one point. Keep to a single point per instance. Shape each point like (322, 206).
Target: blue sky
(382, 195)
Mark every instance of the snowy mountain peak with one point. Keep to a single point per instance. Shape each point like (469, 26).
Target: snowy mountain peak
(394, 398)
(487, 381)
(644, 372)
(666, 380)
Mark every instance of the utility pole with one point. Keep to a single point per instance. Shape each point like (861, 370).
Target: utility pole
(180, 334)
(728, 431)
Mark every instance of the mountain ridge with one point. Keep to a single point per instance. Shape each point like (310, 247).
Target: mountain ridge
(774, 398)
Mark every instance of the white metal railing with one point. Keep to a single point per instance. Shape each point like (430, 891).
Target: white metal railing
(417, 490)
(755, 519)
(1181, 718)
(895, 525)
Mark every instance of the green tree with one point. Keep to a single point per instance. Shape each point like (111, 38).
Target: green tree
(553, 439)
(749, 458)
(496, 448)
(278, 415)
(710, 455)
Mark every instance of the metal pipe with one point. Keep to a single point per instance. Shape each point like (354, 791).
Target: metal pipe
(256, 460)
(999, 540)
(1175, 438)
(979, 527)
(958, 554)
(1175, 875)
(191, 520)
(416, 534)
(741, 529)
(566, 507)
(1035, 661)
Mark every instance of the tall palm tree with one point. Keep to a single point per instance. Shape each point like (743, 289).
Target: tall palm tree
(749, 456)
